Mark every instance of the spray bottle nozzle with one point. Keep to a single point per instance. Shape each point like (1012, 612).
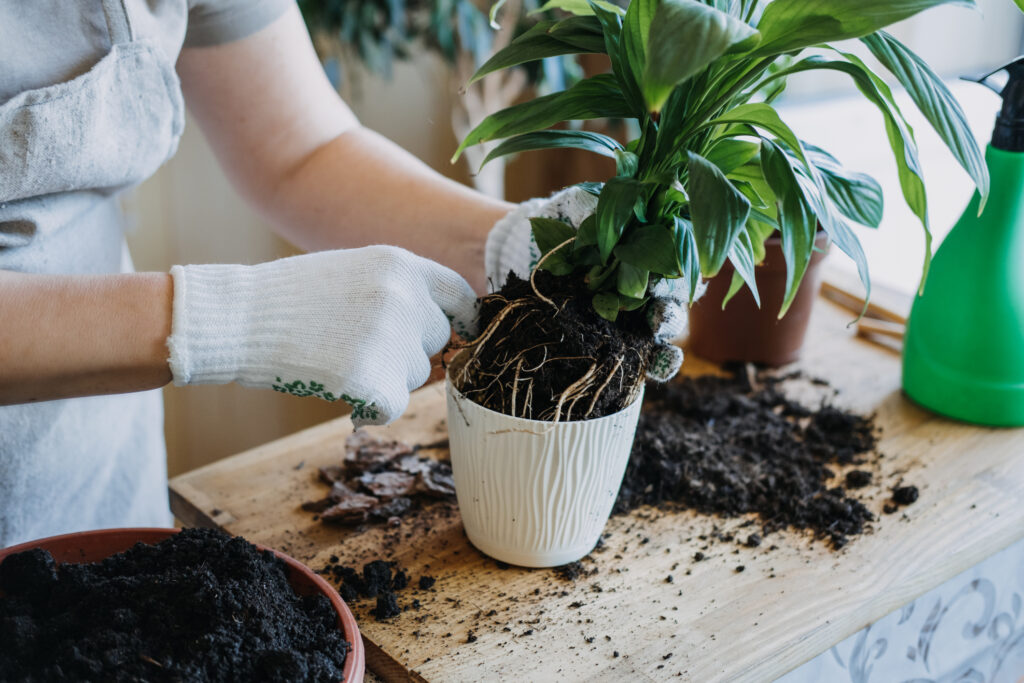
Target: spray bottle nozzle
(1009, 131)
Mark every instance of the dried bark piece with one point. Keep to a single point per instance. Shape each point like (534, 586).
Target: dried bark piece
(365, 452)
(393, 508)
(352, 509)
(331, 474)
(388, 485)
(435, 483)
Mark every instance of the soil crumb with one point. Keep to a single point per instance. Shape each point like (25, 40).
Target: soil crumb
(199, 606)
(737, 445)
(379, 579)
(380, 481)
(553, 359)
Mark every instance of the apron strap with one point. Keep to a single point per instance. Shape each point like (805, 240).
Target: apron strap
(117, 21)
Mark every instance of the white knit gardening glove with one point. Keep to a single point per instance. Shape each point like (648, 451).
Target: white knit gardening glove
(511, 247)
(357, 325)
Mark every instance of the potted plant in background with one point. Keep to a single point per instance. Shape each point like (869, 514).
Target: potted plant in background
(378, 33)
(543, 403)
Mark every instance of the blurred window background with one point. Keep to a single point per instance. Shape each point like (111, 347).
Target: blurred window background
(402, 67)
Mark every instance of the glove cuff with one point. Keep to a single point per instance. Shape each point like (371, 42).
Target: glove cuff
(224, 319)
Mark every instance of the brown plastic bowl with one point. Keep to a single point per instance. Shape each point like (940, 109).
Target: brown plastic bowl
(93, 546)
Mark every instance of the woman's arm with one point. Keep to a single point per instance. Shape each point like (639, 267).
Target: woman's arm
(78, 335)
(296, 152)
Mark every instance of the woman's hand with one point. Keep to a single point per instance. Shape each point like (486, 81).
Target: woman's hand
(511, 247)
(355, 325)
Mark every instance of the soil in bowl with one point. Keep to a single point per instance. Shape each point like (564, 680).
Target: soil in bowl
(200, 605)
(544, 353)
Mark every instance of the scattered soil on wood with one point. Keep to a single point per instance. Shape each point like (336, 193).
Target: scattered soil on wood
(736, 445)
(381, 581)
(198, 606)
(380, 481)
(555, 359)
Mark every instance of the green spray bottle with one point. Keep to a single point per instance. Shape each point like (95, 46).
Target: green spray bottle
(963, 351)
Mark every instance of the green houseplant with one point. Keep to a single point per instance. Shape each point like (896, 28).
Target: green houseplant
(713, 172)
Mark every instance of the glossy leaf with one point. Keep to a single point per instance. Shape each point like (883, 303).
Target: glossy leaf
(607, 305)
(632, 281)
(576, 35)
(788, 25)
(742, 258)
(581, 8)
(857, 196)
(592, 98)
(685, 36)
(937, 104)
(556, 139)
(548, 233)
(735, 285)
(898, 131)
(652, 248)
(729, 154)
(718, 210)
(614, 208)
(797, 221)
(636, 27)
(763, 116)
(686, 250)
(586, 236)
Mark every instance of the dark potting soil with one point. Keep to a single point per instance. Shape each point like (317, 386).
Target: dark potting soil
(736, 445)
(379, 580)
(199, 606)
(553, 359)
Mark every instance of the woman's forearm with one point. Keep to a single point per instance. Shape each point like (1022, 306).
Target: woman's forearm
(77, 335)
(360, 188)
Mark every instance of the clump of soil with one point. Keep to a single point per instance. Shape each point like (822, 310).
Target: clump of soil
(379, 580)
(551, 356)
(736, 445)
(380, 481)
(198, 606)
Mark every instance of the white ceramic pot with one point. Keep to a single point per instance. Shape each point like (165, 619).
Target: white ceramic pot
(535, 493)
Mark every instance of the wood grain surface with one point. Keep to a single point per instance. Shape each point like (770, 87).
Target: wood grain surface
(648, 611)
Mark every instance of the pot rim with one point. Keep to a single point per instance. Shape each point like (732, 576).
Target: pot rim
(543, 424)
(355, 661)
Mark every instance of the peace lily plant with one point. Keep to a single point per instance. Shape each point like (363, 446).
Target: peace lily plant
(543, 404)
(715, 170)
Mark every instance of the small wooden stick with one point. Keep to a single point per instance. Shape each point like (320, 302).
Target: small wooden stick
(855, 304)
(882, 328)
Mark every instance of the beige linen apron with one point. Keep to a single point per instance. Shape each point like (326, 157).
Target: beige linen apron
(65, 151)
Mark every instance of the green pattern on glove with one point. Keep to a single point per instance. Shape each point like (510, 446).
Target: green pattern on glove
(360, 408)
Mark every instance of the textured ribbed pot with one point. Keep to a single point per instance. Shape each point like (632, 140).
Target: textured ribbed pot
(744, 332)
(535, 493)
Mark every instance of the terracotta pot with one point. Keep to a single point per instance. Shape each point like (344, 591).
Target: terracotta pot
(93, 546)
(742, 331)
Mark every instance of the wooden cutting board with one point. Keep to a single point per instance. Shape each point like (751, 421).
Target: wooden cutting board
(629, 620)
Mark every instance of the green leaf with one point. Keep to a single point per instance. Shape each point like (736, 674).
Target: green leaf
(592, 98)
(762, 116)
(729, 154)
(629, 303)
(719, 212)
(937, 104)
(607, 305)
(578, 35)
(548, 233)
(556, 139)
(899, 133)
(626, 163)
(632, 281)
(797, 221)
(581, 8)
(614, 207)
(789, 25)
(623, 69)
(685, 36)
(686, 252)
(636, 27)
(857, 196)
(652, 248)
(587, 233)
(735, 285)
(741, 256)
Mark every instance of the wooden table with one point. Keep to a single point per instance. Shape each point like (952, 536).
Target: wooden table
(628, 621)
